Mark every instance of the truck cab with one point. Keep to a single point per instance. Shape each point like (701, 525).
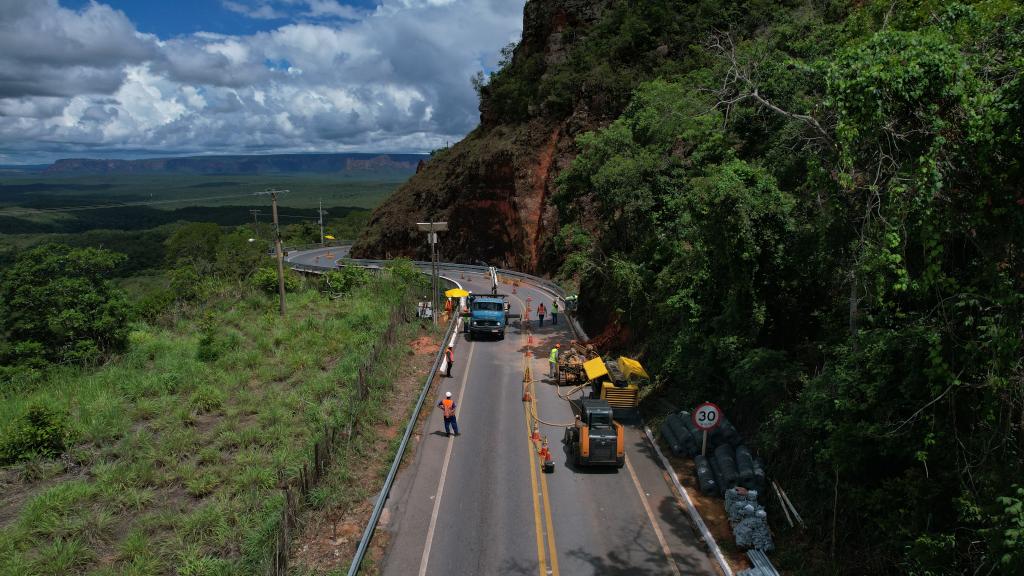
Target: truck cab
(596, 439)
(487, 315)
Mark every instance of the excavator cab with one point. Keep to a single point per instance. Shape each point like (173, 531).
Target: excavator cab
(596, 439)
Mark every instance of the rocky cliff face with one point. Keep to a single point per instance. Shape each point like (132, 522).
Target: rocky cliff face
(493, 187)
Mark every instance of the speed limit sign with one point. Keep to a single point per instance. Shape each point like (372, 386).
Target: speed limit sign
(707, 416)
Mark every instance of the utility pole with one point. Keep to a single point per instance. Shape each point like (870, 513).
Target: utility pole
(256, 220)
(432, 228)
(277, 245)
(321, 212)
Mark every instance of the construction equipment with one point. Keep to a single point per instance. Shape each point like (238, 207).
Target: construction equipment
(570, 363)
(596, 438)
(617, 382)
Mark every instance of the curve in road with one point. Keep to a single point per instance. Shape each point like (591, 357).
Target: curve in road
(479, 503)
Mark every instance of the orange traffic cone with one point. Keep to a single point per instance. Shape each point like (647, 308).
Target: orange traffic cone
(536, 435)
(526, 394)
(549, 464)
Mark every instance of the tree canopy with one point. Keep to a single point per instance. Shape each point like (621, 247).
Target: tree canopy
(57, 304)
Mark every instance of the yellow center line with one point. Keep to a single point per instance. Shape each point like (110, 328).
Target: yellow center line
(547, 509)
(536, 504)
(536, 464)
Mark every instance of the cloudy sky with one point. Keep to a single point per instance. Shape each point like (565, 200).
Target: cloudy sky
(135, 78)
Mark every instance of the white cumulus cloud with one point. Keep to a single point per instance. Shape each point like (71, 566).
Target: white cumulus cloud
(332, 78)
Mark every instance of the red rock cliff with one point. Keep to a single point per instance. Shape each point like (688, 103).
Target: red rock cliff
(494, 186)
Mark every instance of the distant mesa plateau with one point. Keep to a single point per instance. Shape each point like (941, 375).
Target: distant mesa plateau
(345, 163)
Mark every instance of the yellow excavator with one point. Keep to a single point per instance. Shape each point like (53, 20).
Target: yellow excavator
(617, 382)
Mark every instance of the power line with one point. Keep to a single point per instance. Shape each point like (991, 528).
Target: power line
(31, 211)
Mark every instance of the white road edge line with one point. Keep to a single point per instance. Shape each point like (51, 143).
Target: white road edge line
(694, 514)
(654, 522)
(444, 470)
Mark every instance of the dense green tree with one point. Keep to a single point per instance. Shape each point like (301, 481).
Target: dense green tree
(57, 304)
(195, 245)
(818, 224)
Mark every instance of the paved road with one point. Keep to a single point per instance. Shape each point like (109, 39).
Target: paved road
(319, 256)
(478, 504)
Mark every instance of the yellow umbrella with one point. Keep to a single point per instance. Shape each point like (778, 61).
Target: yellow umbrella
(329, 237)
(456, 293)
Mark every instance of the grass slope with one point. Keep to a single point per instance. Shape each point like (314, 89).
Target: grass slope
(176, 459)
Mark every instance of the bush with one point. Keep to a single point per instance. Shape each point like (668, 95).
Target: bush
(345, 280)
(41, 431)
(207, 399)
(265, 279)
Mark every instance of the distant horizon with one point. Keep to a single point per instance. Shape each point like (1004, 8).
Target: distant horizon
(172, 156)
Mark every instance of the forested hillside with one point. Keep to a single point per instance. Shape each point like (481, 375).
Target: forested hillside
(810, 212)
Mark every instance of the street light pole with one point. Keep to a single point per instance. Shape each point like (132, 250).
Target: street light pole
(432, 228)
(321, 212)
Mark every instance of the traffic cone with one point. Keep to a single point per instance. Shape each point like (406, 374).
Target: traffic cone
(526, 394)
(536, 435)
(549, 464)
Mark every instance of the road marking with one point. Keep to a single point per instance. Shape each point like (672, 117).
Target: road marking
(536, 467)
(542, 566)
(547, 510)
(444, 469)
(654, 522)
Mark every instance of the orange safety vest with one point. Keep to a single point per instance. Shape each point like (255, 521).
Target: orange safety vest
(448, 405)
(447, 305)
(449, 356)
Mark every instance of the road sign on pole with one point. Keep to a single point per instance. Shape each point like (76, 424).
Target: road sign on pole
(706, 417)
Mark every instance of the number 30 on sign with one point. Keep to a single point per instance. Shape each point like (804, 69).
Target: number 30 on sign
(707, 416)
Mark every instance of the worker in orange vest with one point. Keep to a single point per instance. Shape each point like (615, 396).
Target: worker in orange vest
(448, 406)
(447, 308)
(449, 358)
(541, 311)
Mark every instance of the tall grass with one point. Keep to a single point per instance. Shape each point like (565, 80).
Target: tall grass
(175, 461)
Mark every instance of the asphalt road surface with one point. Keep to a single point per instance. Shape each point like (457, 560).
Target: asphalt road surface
(479, 504)
(319, 256)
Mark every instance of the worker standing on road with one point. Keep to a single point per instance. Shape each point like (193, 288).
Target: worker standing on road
(448, 406)
(447, 309)
(449, 358)
(541, 311)
(553, 361)
(554, 311)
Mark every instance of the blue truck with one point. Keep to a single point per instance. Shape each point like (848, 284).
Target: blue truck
(488, 315)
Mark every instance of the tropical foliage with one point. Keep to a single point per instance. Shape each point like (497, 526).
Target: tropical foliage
(818, 223)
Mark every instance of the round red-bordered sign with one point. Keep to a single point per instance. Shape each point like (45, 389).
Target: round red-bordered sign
(707, 416)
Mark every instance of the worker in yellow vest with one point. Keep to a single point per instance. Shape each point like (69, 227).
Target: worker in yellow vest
(553, 361)
(448, 406)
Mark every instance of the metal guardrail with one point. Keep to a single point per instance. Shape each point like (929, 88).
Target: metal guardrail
(378, 507)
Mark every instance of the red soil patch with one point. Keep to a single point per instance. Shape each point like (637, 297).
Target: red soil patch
(423, 345)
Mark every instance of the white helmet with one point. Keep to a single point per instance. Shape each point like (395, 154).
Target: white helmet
(447, 394)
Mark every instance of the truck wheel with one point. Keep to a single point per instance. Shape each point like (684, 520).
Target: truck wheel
(501, 335)
(469, 335)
